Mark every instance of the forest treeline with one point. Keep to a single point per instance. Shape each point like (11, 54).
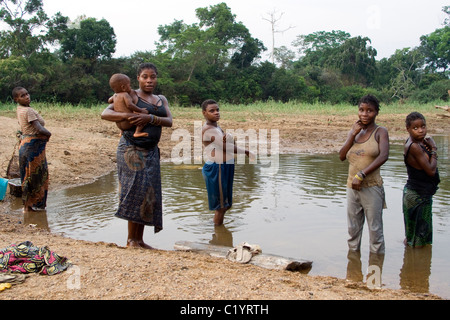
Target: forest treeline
(63, 61)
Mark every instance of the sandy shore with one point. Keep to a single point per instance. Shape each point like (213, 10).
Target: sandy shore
(82, 150)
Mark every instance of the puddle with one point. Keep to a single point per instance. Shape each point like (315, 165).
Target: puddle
(299, 213)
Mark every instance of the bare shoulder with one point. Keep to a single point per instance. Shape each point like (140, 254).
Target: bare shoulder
(382, 132)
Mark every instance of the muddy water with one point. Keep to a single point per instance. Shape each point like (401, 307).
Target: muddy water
(299, 213)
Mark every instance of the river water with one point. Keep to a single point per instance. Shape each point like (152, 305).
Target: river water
(300, 213)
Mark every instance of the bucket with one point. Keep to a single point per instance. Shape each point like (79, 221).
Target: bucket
(15, 187)
(3, 186)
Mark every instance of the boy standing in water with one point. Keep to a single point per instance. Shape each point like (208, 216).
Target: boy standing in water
(219, 167)
(423, 179)
(124, 102)
(366, 149)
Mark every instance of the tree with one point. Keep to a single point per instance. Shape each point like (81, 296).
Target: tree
(405, 75)
(284, 57)
(93, 40)
(26, 21)
(201, 54)
(273, 20)
(356, 60)
(446, 10)
(318, 46)
(436, 49)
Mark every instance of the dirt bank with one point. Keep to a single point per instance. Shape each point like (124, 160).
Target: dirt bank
(81, 150)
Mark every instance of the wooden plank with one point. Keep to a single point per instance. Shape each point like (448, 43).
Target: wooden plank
(267, 261)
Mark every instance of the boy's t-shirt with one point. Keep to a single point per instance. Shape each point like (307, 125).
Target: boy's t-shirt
(25, 116)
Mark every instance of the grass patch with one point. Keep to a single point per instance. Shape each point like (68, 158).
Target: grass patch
(259, 110)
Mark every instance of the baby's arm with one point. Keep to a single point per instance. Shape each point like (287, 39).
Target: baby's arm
(130, 104)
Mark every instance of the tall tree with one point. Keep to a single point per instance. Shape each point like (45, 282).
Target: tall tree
(25, 20)
(356, 60)
(315, 48)
(436, 49)
(202, 53)
(93, 40)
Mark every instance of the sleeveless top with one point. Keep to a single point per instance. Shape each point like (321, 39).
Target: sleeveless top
(154, 132)
(418, 180)
(360, 156)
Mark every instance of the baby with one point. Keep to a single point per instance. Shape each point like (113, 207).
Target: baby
(123, 102)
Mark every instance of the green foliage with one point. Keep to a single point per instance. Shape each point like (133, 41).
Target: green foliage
(436, 49)
(435, 91)
(93, 40)
(216, 57)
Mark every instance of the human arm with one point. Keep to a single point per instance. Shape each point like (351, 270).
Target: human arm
(110, 115)
(128, 99)
(41, 130)
(421, 160)
(356, 129)
(224, 143)
(143, 119)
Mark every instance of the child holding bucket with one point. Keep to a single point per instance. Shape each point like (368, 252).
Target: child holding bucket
(32, 158)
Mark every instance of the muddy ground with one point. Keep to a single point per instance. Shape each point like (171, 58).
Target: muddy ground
(83, 149)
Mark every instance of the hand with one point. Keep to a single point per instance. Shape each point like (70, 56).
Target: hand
(357, 127)
(429, 144)
(356, 184)
(140, 119)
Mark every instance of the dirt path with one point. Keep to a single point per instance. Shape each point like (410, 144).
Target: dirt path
(82, 150)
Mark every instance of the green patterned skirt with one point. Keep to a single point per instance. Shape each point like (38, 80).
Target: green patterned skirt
(417, 214)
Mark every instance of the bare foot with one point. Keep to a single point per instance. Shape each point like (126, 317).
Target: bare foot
(138, 244)
(143, 245)
(132, 244)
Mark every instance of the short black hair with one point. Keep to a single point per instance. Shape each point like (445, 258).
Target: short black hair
(206, 103)
(146, 65)
(413, 116)
(16, 90)
(372, 100)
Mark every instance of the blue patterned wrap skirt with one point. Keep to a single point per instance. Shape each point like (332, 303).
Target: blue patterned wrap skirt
(140, 196)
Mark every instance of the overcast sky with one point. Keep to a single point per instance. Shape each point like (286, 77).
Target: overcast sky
(390, 24)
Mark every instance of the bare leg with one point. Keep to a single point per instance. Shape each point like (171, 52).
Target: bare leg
(140, 237)
(138, 133)
(135, 236)
(132, 230)
(219, 216)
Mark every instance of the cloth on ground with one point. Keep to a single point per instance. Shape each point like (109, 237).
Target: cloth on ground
(243, 253)
(12, 278)
(26, 258)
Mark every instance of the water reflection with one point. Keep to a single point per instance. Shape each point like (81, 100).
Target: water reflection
(298, 213)
(355, 272)
(222, 237)
(416, 269)
(37, 219)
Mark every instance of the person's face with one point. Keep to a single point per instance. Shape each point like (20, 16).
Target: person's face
(417, 129)
(148, 79)
(23, 98)
(367, 113)
(212, 113)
